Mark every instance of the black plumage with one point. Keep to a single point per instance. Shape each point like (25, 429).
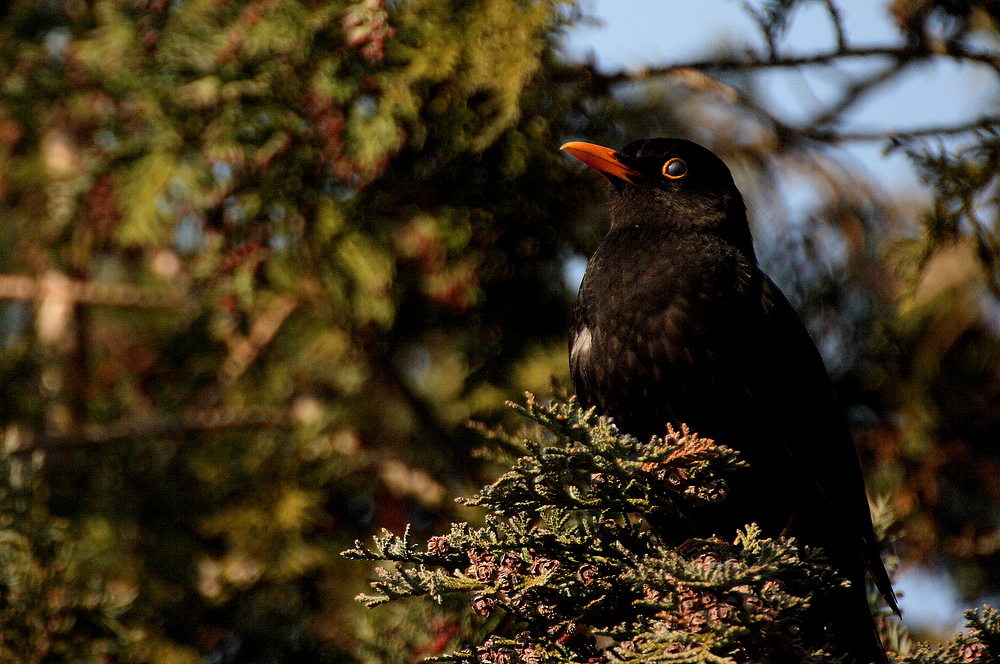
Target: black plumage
(676, 323)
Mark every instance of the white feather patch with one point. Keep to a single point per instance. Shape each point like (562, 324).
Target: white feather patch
(581, 345)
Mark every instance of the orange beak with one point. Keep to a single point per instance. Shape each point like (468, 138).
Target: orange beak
(602, 160)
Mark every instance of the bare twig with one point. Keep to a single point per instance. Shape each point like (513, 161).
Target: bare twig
(838, 24)
(856, 91)
(588, 73)
(766, 28)
(17, 287)
(158, 425)
(987, 123)
(244, 350)
(900, 56)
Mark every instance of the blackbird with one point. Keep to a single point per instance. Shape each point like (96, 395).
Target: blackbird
(676, 323)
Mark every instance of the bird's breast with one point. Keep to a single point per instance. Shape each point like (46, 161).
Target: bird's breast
(654, 332)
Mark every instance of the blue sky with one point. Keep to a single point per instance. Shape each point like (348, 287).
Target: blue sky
(636, 33)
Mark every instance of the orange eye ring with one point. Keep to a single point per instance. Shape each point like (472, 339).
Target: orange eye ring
(675, 169)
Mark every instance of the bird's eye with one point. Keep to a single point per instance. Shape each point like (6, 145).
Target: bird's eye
(675, 169)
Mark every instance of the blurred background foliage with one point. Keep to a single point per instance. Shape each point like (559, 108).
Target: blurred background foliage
(261, 260)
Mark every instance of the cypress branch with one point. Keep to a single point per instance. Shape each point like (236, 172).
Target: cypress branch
(577, 561)
(568, 553)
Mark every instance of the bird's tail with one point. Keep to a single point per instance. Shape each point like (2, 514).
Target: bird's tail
(849, 624)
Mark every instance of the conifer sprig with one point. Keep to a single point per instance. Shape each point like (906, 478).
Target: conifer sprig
(568, 554)
(582, 558)
(579, 461)
(979, 644)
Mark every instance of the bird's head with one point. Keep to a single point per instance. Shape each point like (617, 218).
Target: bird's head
(673, 182)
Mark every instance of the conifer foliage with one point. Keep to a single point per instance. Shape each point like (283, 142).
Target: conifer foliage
(582, 558)
(55, 601)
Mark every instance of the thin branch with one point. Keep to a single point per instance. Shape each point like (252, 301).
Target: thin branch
(838, 24)
(244, 350)
(766, 27)
(158, 425)
(901, 55)
(857, 90)
(18, 287)
(589, 73)
(987, 123)
(959, 52)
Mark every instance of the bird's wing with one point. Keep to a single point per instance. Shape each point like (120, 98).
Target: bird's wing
(787, 381)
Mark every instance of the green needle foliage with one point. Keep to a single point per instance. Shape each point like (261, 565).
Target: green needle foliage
(580, 543)
(979, 643)
(55, 605)
(583, 558)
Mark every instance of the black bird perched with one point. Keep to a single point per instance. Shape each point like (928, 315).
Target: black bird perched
(676, 323)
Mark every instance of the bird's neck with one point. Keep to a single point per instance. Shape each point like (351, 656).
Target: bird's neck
(738, 234)
(726, 220)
